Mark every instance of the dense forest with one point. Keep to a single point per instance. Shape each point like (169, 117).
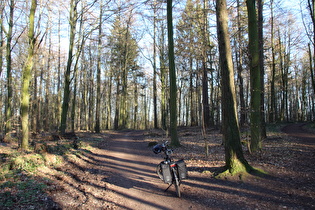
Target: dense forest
(91, 65)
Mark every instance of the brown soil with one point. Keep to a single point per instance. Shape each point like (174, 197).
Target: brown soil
(119, 173)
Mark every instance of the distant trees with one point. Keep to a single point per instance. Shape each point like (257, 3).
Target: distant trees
(196, 59)
(90, 72)
(123, 63)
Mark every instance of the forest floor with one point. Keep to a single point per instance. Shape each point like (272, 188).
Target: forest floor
(116, 170)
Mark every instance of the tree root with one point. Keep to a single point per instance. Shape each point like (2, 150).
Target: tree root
(238, 169)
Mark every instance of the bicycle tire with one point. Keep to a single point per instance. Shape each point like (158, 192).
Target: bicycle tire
(177, 184)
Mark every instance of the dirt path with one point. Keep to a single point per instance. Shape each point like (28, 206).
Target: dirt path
(120, 174)
(133, 183)
(300, 133)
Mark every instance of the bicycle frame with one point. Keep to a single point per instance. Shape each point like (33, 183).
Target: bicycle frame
(172, 166)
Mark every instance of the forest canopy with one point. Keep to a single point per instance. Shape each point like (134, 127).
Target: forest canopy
(106, 63)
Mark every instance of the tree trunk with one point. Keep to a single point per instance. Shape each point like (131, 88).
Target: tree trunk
(191, 98)
(272, 112)
(8, 108)
(261, 66)
(311, 5)
(58, 108)
(67, 79)
(98, 77)
(205, 88)
(172, 76)
(1, 35)
(255, 114)
(154, 69)
(311, 67)
(239, 66)
(234, 159)
(164, 113)
(27, 69)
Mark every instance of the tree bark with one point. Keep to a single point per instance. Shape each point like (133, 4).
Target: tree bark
(8, 108)
(98, 77)
(172, 76)
(255, 114)
(154, 68)
(67, 79)
(234, 158)
(27, 69)
(163, 79)
(311, 67)
(1, 35)
(205, 88)
(239, 66)
(272, 112)
(311, 6)
(261, 66)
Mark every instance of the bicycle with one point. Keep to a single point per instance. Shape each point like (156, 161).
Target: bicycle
(170, 171)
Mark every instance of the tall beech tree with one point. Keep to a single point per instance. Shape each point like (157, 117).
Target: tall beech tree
(8, 107)
(67, 77)
(273, 103)
(261, 66)
(163, 77)
(255, 82)
(27, 72)
(1, 35)
(98, 82)
(172, 76)
(234, 158)
(239, 56)
(311, 7)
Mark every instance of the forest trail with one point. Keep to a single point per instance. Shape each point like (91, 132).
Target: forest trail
(120, 174)
(133, 183)
(298, 131)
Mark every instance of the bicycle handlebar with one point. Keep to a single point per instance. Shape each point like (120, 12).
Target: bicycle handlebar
(162, 148)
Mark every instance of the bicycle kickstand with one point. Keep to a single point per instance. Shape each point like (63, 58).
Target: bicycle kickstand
(168, 187)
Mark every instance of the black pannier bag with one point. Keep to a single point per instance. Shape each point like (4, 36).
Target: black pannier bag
(166, 172)
(182, 169)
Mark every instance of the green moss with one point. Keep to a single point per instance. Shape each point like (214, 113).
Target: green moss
(27, 163)
(238, 169)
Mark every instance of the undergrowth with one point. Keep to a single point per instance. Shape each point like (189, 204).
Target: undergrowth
(19, 194)
(20, 186)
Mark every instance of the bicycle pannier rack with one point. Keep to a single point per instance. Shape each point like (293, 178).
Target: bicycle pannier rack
(166, 172)
(182, 169)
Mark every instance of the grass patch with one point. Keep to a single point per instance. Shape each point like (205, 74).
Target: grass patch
(20, 185)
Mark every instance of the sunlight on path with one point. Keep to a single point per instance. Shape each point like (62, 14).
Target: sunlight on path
(134, 182)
